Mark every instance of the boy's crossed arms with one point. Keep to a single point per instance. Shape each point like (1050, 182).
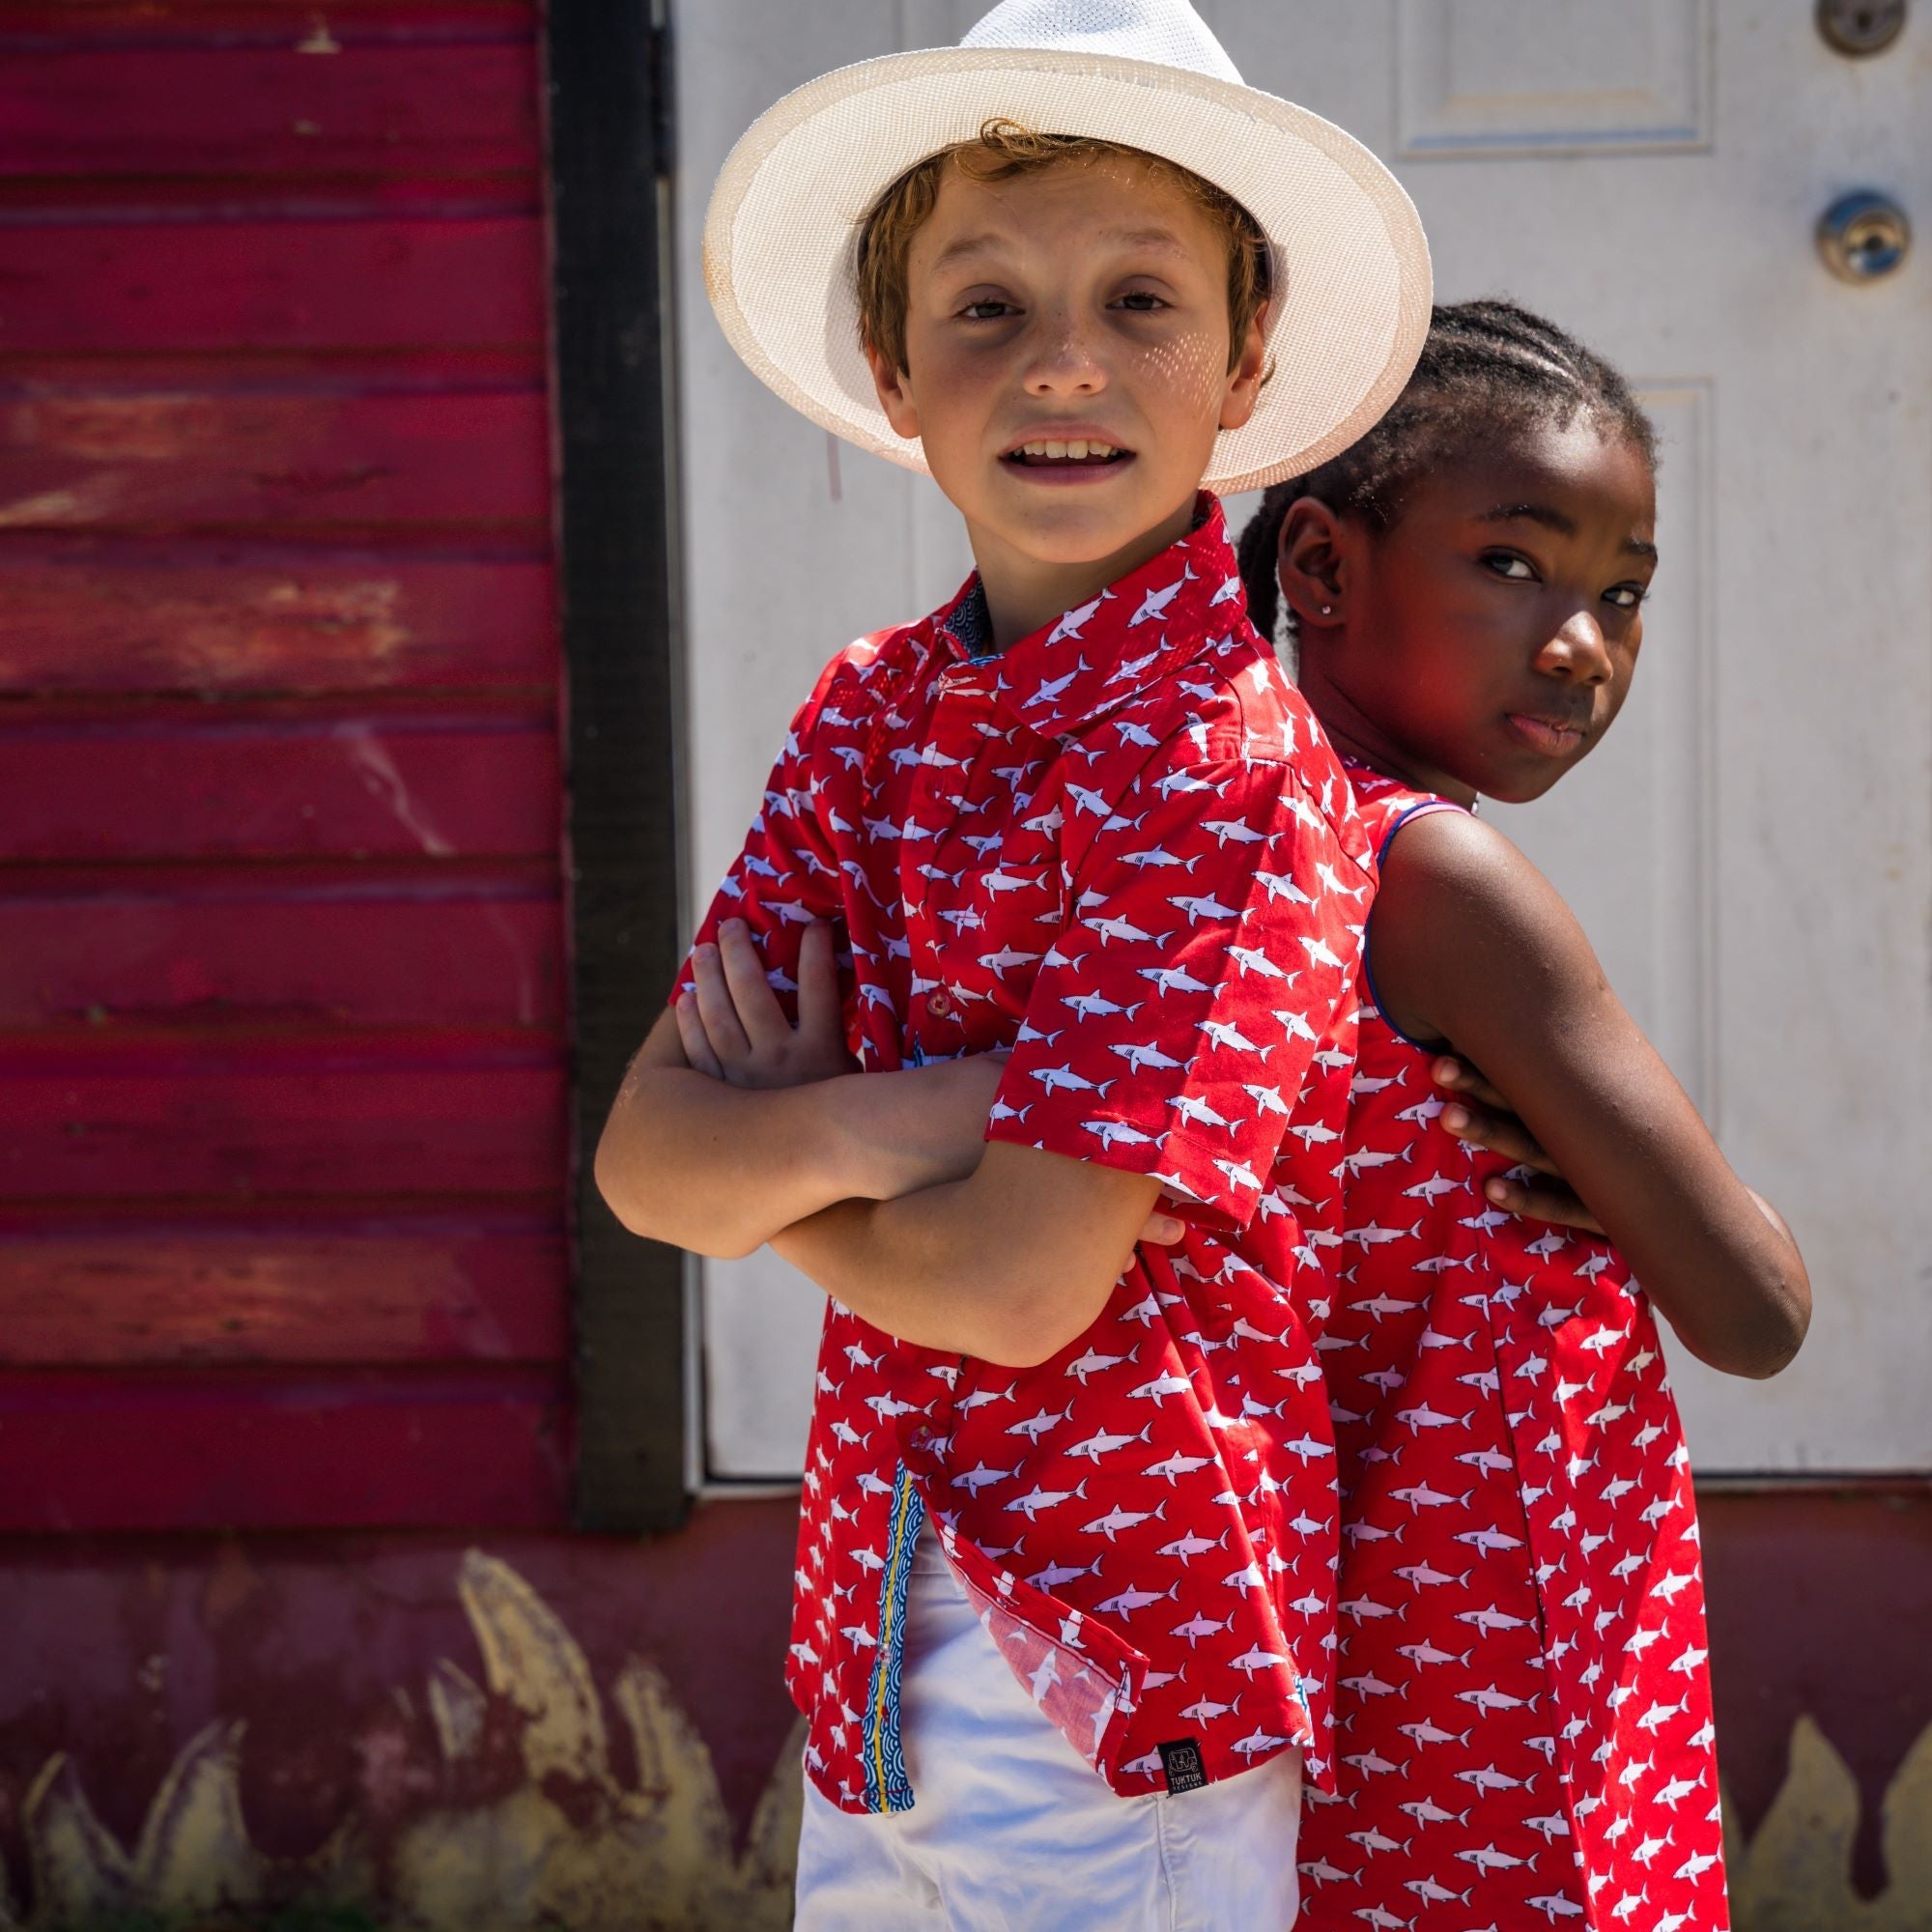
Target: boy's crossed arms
(736, 1128)
(880, 1186)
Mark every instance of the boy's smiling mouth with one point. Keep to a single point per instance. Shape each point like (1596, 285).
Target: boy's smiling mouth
(1066, 450)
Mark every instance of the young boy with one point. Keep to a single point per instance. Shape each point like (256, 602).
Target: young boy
(1066, 1487)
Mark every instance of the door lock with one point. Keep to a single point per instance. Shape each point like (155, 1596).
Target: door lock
(1860, 27)
(1863, 236)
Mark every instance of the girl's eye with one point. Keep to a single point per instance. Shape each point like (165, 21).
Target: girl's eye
(1627, 596)
(1505, 564)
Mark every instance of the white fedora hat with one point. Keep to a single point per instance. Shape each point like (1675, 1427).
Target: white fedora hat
(1352, 290)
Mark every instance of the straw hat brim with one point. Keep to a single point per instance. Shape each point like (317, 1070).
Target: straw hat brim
(1352, 292)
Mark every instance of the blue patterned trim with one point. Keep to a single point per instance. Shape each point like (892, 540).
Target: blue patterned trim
(887, 1786)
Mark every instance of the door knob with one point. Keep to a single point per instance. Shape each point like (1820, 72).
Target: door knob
(1863, 236)
(1860, 27)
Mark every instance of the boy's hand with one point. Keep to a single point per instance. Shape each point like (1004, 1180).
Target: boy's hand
(1493, 1125)
(733, 1027)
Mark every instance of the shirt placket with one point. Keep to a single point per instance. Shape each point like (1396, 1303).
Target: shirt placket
(939, 870)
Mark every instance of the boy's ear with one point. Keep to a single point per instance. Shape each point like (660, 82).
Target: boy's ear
(1312, 564)
(1243, 387)
(894, 388)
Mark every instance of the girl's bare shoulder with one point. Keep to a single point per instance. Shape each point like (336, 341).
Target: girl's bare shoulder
(1462, 917)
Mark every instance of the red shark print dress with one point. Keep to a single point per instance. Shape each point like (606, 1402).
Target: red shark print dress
(1522, 1718)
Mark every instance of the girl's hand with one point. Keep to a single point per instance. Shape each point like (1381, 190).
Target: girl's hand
(732, 1027)
(1493, 1125)
(1163, 1229)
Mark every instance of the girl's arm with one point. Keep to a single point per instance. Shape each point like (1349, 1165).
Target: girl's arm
(1469, 943)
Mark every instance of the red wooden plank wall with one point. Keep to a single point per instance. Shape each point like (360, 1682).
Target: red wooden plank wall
(282, 950)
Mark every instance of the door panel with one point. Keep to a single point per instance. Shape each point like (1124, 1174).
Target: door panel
(1751, 851)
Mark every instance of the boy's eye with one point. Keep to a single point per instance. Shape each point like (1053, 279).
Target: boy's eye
(1627, 596)
(1142, 301)
(988, 309)
(1506, 563)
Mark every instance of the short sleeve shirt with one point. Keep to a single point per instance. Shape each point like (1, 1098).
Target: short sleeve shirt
(1123, 850)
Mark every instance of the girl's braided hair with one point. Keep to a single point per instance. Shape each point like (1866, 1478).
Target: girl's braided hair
(1486, 369)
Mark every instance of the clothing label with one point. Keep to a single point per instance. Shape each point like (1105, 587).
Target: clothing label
(1180, 1765)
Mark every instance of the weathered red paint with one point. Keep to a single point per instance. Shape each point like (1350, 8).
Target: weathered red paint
(337, 955)
(409, 1116)
(377, 107)
(281, 1028)
(161, 618)
(122, 1649)
(202, 1448)
(1820, 1597)
(40, 25)
(324, 1645)
(297, 785)
(357, 469)
(256, 286)
(150, 1288)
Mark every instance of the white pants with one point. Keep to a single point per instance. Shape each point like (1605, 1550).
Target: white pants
(1011, 1831)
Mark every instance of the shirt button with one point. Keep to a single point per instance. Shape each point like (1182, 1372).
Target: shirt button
(939, 1003)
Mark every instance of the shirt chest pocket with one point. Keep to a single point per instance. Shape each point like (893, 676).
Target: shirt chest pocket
(993, 908)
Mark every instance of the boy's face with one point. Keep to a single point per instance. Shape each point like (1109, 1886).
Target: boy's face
(1086, 302)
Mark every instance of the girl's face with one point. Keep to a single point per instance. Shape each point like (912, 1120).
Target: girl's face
(1486, 640)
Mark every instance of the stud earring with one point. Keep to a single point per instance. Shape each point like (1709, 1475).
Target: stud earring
(1328, 610)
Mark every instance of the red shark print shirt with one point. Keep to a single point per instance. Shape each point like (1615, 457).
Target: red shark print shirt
(1123, 850)
(1522, 1718)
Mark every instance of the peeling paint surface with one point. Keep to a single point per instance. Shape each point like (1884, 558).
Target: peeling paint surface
(549, 1730)
(569, 1841)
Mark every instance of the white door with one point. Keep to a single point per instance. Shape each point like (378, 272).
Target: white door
(1752, 850)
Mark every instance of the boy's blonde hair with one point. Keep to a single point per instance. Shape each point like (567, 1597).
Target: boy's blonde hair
(1003, 151)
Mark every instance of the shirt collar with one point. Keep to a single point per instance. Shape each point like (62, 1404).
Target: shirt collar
(1092, 659)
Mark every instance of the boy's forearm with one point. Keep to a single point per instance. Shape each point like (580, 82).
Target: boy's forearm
(894, 1264)
(1010, 1264)
(721, 1169)
(717, 1169)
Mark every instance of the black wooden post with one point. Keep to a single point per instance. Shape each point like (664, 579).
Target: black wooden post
(610, 169)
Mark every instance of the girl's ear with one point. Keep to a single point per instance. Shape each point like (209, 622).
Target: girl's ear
(1311, 565)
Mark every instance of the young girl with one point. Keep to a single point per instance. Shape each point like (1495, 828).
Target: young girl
(1522, 1717)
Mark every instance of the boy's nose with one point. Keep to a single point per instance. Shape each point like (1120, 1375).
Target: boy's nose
(1578, 650)
(1064, 363)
